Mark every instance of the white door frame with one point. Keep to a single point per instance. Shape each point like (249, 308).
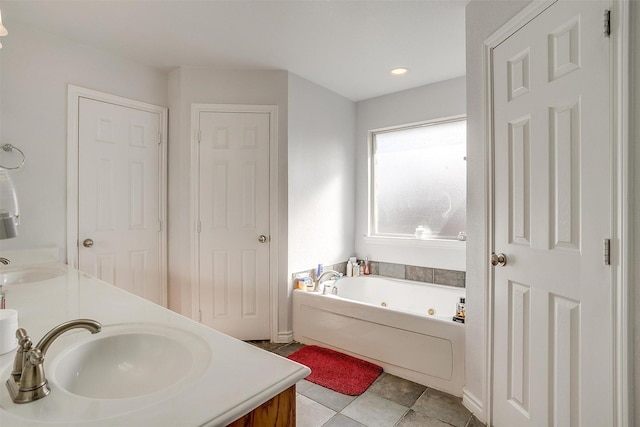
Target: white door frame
(272, 110)
(622, 260)
(74, 93)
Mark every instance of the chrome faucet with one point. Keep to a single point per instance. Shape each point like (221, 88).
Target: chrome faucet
(321, 277)
(28, 381)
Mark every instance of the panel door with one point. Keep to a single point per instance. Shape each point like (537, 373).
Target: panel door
(233, 215)
(119, 197)
(552, 300)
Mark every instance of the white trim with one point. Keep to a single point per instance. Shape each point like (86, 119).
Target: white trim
(621, 215)
(487, 275)
(430, 122)
(622, 218)
(272, 110)
(284, 337)
(74, 93)
(471, 402)
(407, 241)
(194, 216)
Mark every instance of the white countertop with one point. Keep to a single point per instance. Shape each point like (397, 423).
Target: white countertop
(239, 377)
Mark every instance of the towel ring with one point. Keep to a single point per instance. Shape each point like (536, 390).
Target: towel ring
(9, 148)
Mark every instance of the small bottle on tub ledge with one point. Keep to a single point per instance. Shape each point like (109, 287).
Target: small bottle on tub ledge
(304, 282)
(460, 311)
(366, 270)
(352, 267)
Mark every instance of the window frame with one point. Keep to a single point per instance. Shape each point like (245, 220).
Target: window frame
(402, 239)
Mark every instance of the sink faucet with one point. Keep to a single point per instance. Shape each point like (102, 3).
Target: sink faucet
(28, 381)
(322, 276)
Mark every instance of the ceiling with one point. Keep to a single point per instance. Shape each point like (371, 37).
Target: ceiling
(347, 46)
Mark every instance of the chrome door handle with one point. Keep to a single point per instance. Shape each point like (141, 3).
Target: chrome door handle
(262, 238)
(498, 259)
(87, 243)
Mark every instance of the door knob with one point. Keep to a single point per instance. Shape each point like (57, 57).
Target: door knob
(262, 238)
(498, 259)
(87, 243)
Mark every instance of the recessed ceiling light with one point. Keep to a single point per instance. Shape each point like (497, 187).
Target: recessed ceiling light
(399, 71)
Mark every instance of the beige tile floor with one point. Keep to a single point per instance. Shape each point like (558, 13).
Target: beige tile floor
(389, 402)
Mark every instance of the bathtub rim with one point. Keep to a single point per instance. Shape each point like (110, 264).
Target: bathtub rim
(444, 319)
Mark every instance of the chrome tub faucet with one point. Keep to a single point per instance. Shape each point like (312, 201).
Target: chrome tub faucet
(28, 381)
(321, 278)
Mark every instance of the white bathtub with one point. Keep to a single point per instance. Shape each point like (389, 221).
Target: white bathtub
(387, 322)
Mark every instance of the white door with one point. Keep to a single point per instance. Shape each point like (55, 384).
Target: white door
(552, 300)
(119, 197)
(234, 223)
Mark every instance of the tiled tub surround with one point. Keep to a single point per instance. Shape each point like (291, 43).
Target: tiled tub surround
(406, 272)
(403, 326)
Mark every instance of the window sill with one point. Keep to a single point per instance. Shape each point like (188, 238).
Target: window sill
(405, 241)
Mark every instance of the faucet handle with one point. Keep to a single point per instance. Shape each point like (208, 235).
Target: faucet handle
(21, 334)
(24, 345)
(24, 340)
(35, 356)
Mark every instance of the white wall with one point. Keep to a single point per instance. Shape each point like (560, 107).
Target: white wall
(635, 119)
(1, 97)
(189, 85)
(483, 18)
(438, 100)
(36, 68)
(321, 175)
(178, 202)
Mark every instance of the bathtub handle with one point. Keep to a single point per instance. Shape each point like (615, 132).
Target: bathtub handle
(498, 259)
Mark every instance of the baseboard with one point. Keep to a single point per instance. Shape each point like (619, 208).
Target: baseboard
(284, 337)
(473, 404)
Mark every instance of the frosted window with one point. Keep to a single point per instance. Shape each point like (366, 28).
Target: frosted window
(419, 181)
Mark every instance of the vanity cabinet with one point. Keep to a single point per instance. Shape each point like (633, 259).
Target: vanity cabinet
(280, 411)
(250, 385)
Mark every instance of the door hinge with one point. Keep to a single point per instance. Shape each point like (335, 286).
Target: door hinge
(199, 315)
(199, 227)
(159, 225)
(606, 249)
(159, 138)
(198, 135)
(607, 23)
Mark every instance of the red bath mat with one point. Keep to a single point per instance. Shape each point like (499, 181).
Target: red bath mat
(340, 372)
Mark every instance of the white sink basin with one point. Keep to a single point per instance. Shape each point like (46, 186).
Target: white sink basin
(29, 274)
(130, 361)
